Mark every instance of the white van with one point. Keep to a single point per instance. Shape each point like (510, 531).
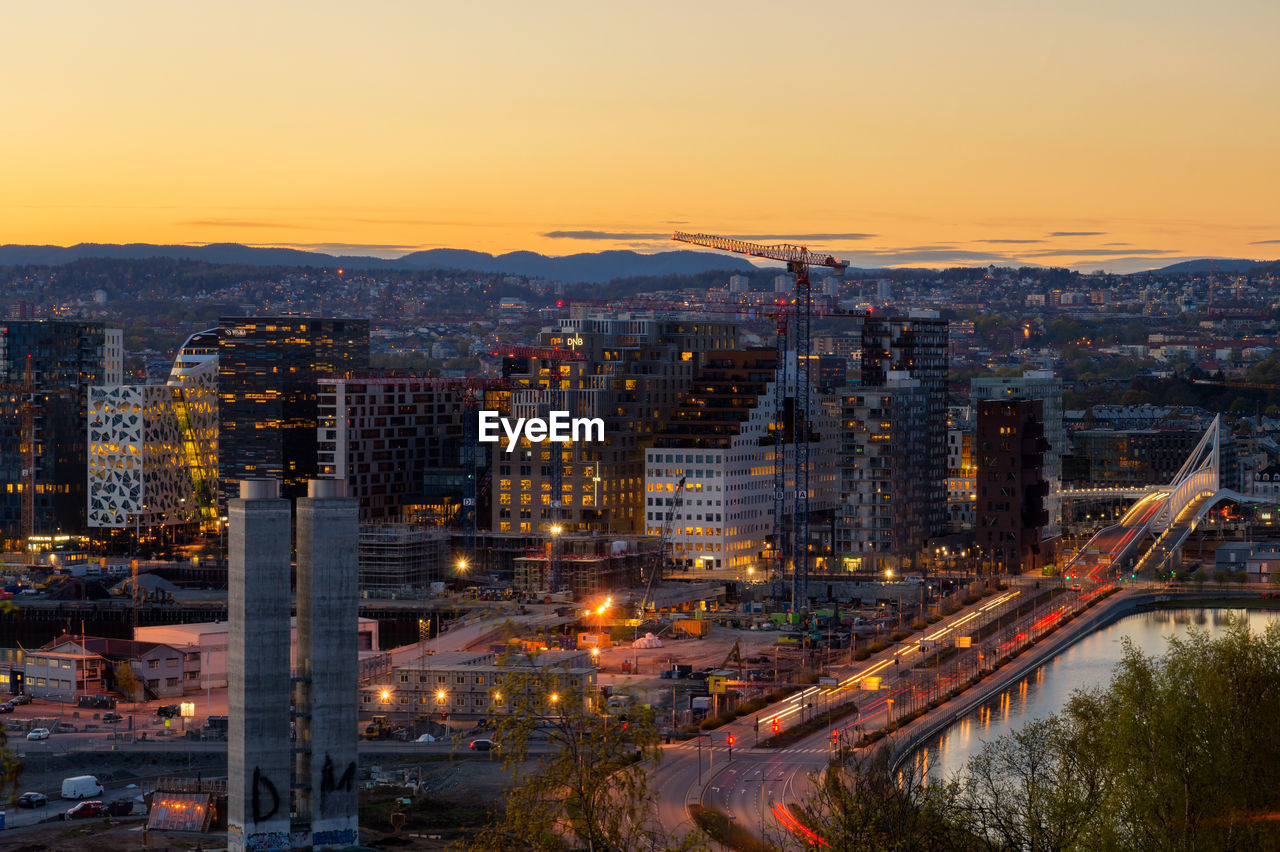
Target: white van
(81, 787)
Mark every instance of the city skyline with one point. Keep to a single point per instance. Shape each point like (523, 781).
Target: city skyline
(1091, 137)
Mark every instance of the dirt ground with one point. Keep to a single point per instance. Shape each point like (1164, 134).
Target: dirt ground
(649, 687)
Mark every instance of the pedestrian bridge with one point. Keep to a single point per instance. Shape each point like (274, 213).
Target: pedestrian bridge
(1150, 535)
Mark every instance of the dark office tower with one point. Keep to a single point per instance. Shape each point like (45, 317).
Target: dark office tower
(915, 347)
(64, 358)
(1011, 484)
(268, 369)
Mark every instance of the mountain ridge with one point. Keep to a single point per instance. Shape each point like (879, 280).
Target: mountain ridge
(586, 267)
(579, 268)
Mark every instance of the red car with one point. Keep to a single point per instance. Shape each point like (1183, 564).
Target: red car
(84, 810)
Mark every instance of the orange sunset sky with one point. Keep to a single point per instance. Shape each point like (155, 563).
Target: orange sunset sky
(1093, 134)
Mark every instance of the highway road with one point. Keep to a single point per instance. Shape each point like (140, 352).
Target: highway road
(755, 786)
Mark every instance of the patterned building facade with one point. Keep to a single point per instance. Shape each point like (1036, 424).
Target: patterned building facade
(153, 449)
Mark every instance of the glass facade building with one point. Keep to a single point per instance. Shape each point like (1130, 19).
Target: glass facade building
(268, 392)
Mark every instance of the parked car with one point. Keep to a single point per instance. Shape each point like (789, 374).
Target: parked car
(38, 734)
(85, 810)
(112, 718)
(21, 698)
(33, 800)
(483, 745)
(168, 711)
(6, 707)
(65, 728)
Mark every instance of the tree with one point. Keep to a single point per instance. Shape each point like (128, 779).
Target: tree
(865, 805)
(1178, 752)
(126, 681)
(591, 791)
(1188, 743)
(1033, 789)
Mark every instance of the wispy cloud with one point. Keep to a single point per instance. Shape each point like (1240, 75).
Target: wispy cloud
(627, 235)
(349, 246)
(898, 257)
(602, 235)
(386, 251)
(238, 223)
(1099, 252)
(1078, 233)
(1265, 242)
(1008, 242)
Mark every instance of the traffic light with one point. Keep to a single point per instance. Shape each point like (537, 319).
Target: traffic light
(835, 738)
(774, 726)
(730, 740)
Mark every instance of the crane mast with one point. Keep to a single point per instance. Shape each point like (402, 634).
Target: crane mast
(798, 259)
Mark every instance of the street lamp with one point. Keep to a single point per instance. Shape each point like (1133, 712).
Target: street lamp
(461, 565)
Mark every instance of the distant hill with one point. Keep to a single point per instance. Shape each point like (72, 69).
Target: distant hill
(586, 267)
(1206, 264)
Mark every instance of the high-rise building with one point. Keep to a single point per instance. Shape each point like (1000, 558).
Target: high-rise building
(631, 371)
(62, 359)
(153, 449)
(962, 469)
(268, 371)
(1011, 484)
(719, 442)
(887, 495)
(915, 346)
(1044, 386)
(400, 441)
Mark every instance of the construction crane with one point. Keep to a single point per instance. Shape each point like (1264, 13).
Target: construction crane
(798, 260)
(28, 409)
(661, 554)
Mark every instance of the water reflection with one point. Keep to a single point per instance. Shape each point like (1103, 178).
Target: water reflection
(1089, 662)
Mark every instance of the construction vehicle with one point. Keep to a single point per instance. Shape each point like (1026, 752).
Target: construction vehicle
(798, 260)
(734, 655)
(660, 555)
(380, 729)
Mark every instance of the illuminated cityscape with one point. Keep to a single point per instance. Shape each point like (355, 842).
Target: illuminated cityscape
(519, 431)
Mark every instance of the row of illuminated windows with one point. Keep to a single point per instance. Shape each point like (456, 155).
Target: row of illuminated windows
(566, 499)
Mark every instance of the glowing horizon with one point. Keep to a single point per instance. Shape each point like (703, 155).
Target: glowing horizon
(1090, 136)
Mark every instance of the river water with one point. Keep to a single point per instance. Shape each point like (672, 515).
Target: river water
(1089, 662)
